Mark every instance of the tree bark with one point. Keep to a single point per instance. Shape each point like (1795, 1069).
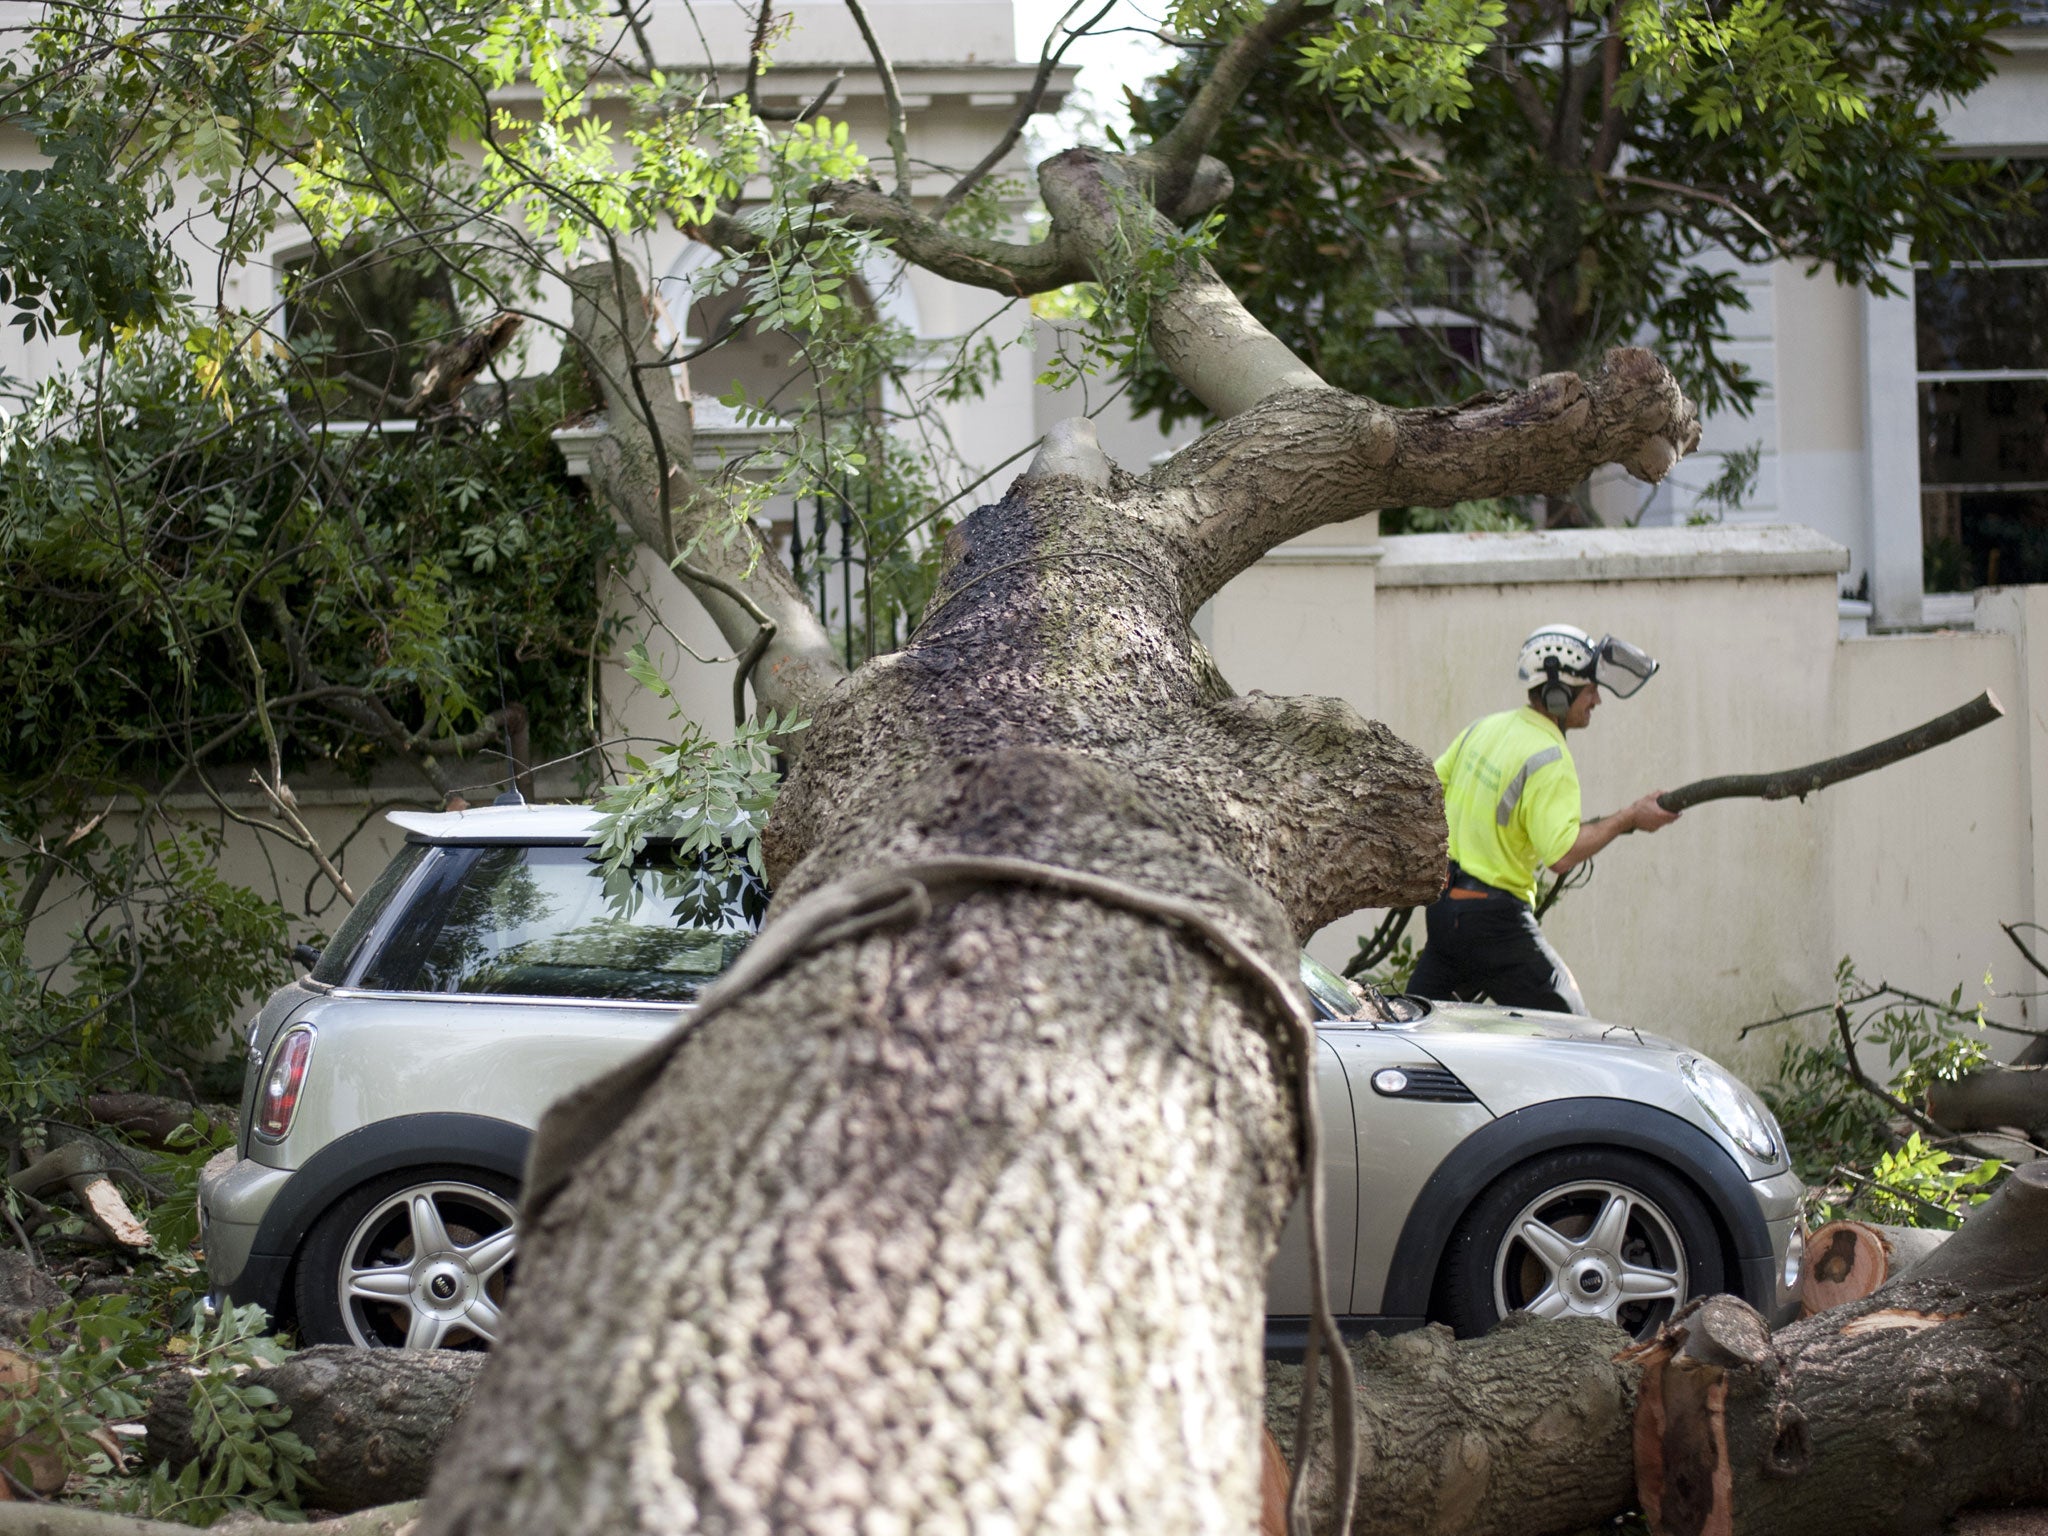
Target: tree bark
(374, 1419)
(643, 468)
(1883, 1416)
(1991, 1099)
(1525, 1432)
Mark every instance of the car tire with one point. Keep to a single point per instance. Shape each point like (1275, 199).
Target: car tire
(419, 1259)
(1586, 1232)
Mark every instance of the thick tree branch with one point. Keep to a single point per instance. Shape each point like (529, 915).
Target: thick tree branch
(1172, 159)
(1303, 460)
(798, 666)
(1200, 328)
(1001, 265)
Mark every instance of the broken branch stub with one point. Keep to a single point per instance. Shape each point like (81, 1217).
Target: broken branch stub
(1881, 1417)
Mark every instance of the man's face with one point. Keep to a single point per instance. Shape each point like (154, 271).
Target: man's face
(1584, 702)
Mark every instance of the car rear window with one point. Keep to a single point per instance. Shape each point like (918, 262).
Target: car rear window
(545, 922)
(339, 957)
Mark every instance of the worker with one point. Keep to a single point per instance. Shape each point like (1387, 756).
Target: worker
(1511, 796)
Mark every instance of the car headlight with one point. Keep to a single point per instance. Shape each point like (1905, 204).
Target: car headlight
(1732, 1107)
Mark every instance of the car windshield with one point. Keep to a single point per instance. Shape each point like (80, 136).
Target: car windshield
(1346, 1001)
(1332, 992)
(529, 921)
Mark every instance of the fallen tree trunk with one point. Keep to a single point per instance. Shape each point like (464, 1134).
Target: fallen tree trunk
(1991, 1099)
(1525, 1432)
(1847, 1260)
(74, 1520)
(1883, 1416)
(374, 1419)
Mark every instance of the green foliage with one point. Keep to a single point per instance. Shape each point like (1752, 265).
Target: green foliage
(1915, 1185)
(1606, 191)
(158, 540)
(127, 1006)
(1856, 1146)
(95, 1358)
(710, 799)
(1490, 516)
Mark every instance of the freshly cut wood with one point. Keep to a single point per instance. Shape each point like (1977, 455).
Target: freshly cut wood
(1525, 1432)
(85, 1167)
(374, 1419)
(1274, 1479)
(1991, 1099)
(1878, 1418)
(1847, 1260)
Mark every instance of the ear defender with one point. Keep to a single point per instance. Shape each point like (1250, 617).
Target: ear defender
(1557, 693)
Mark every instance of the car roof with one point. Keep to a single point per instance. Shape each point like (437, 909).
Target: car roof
(499, 824)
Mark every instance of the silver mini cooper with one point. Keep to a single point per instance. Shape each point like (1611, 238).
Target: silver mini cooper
(1478, 1160)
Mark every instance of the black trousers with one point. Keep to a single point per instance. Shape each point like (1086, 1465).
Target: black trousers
(1484, 945)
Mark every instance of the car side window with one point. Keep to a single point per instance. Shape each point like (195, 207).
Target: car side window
(545, 922)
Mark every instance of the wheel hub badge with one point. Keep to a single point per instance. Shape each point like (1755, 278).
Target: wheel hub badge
(443, 1287)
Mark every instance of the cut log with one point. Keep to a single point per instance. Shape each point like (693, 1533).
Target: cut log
(1847, 1260)
(374, 1419)
(1525, 1432)
(1886, 1415)
(1992, 1099)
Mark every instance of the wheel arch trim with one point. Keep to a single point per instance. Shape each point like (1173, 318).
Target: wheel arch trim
(1523, 1134)
(387, 1146)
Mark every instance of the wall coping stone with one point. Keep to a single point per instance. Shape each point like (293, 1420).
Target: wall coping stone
(1717, 551)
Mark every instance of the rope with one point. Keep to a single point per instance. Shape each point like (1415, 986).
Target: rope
(861, 903)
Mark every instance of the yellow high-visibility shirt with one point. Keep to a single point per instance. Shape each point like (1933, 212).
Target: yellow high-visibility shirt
(1511, 796)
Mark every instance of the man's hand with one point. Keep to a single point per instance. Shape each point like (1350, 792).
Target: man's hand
(1646, 815)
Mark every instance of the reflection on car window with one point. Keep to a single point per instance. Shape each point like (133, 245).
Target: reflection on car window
(545, 922)
(336, 959)
(1337, 998)
(1333, 995)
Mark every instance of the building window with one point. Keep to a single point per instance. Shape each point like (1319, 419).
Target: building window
(361, 320)
(1982, 342)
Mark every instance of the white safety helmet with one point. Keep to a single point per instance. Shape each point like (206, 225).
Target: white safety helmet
(1561, 659)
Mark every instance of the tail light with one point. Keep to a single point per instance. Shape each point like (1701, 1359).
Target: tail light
(278, 1100)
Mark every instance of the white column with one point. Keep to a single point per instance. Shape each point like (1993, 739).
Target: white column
(1891, 436)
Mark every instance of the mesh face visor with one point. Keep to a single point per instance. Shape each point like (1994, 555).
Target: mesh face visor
(1620, 668)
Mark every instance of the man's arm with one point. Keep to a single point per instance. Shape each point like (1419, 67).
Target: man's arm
(1644, 815)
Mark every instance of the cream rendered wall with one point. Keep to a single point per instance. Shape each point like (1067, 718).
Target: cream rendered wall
(1930, 855)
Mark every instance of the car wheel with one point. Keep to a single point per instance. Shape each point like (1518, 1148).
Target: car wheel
(1591, 1232)
(419, 1260)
